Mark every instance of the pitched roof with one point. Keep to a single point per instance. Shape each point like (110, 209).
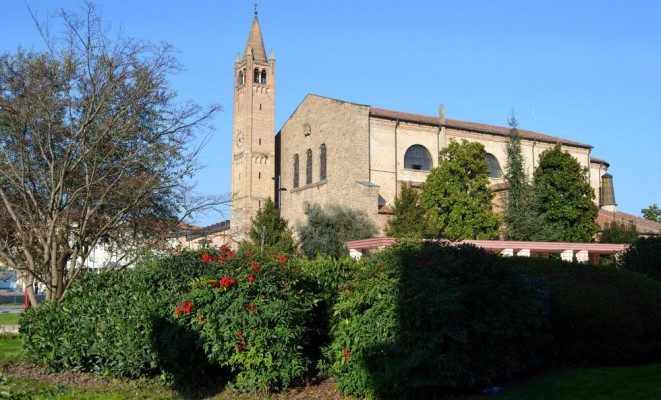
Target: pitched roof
(643, 226)
(599, 161)
(471, 126)
(255, 41)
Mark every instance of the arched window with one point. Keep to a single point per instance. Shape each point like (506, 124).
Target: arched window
(322, 162)
(256, 75)
(308, 167)
(494, 166)
(296, 167)
(417, 157)
(241, 79)
(263, 77)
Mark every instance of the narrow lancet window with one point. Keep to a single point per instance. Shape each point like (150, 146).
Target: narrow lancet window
(262, 79)
(256, 76)
(322, 162)
(308, 167)
(296, 167)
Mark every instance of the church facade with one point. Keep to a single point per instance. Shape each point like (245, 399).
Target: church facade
(335, 151)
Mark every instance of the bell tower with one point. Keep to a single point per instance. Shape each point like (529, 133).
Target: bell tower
(253, 133)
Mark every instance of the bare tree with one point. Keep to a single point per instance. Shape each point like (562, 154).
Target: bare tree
(95, 149)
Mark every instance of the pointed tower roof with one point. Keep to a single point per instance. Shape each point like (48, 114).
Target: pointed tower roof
(255, 42)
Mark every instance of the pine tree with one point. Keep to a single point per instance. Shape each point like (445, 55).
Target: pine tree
(521, 219)
(409, 219)
(564, 197)
(456, 195)
(277, 236)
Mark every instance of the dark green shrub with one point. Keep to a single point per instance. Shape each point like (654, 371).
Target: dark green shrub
(115, 323)
(251, 315)
(599, 315)
(419, 318)
(644, 256)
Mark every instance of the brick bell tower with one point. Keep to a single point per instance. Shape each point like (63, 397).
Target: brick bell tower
(253, 133)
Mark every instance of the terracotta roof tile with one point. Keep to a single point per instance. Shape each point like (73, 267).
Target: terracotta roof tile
(643, 226)
(471, 126)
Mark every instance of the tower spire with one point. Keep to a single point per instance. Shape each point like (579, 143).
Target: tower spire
(255, 42)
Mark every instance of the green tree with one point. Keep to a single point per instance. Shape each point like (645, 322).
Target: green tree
(653, 213)
(276, 233)
(521, 218)
(618, 233)
(409, 217)
(565, 197)
(456, 195)
(328, 229)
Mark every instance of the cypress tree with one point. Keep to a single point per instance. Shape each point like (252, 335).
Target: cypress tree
(522, 222)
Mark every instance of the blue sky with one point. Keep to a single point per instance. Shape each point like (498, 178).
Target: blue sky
(589, 71)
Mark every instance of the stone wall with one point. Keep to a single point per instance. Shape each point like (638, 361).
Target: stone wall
(343, 128)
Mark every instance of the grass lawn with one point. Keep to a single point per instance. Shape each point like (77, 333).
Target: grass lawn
(9, 319)
(631, 383)
(10, 348)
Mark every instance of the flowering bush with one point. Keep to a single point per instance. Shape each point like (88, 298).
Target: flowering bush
(251, 315)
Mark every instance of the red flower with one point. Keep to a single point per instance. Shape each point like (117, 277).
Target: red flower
(206, 258)
(251, 278)
(249, 255)
(227, 252)
(282, 259)
(226, 282)
(186, 307)
(238, 334)
(347, 354)
(255, 266)
(252, 309)
(241, 347)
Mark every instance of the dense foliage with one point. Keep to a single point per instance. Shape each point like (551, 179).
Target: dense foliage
(456, 195)
(418, 318)
(653, 213)
(408, 220)
(268, 224)
(328, 229)
(599, 315)
(644, 256)
(565, 197)
(618, 233)
(522, 222)
(115, 323)
(411, 320)
(251, 315)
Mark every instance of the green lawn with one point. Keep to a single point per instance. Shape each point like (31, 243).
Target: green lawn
(9, 319)
(10, 348)
(631, 383)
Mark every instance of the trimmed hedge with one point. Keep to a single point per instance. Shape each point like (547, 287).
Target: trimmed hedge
(644, 256)
(599, 315)
(419, 318)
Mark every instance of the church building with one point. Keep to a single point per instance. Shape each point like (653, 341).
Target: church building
(336, 151)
